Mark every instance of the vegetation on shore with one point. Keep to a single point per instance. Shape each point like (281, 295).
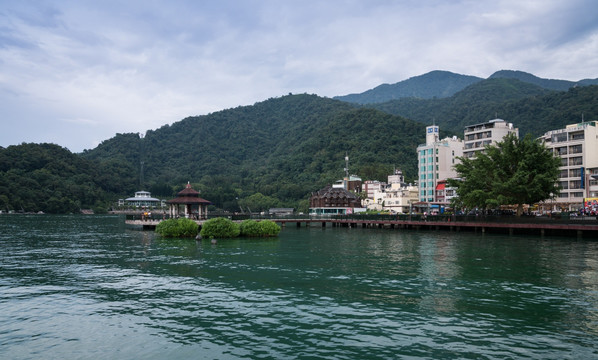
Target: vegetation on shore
(226, 228)
(177, 228)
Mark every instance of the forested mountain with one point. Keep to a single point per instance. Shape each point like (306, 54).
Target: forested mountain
(551, 84)
(442, 84)
(49, 178)
(482, 101)
(530, 108)
(435, 84)
(284, 148)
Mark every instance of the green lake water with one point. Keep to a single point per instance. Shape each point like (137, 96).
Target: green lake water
(88, 287)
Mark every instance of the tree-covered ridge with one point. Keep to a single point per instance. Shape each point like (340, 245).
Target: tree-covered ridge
(282, 148)
(49, 178)
(435, 84)
(442, 84)
(551, 84)
(530, 108)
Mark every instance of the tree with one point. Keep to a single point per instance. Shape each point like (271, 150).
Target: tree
(512, 172)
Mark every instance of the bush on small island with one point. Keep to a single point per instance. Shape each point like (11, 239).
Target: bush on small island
(264, 228)
(177, 228)
(220, 228)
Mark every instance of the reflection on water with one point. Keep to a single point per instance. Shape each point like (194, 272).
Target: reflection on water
(87, 287)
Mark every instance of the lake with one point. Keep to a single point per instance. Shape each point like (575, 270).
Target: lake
(88, 287)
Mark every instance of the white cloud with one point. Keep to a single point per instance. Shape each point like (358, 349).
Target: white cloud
(76, 73)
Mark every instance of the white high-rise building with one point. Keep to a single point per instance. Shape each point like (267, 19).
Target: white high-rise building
(477, 136)
(436, 160)
(577, 146)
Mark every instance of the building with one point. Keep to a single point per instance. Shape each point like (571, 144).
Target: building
(369, 187)
(477, 136)
(436, 160)
(188, 204)
(396, 196)
(142, 199)
(334, 201)
(444, 193)
(577, 146)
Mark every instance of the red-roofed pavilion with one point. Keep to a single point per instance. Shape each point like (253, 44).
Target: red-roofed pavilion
(188, 204)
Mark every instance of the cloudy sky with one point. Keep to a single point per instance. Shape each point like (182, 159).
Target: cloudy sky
(75, 73)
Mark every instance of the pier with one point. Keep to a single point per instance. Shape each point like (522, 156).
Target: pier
(581, 227)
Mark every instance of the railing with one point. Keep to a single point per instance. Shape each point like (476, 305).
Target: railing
(558, 218)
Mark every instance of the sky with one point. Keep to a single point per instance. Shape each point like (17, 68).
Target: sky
(77, 72)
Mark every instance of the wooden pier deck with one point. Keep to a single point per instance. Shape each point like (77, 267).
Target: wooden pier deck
(587, 228)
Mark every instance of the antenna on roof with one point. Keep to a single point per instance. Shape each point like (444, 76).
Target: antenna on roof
(347, 165)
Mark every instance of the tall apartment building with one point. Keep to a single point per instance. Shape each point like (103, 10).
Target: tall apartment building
(477, 136)
(436, 159)
(577, 146)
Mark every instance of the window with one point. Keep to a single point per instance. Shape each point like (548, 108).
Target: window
(564, 185)
(575, 184)
(577, 194)
(576, 136)
(578, 160)
(575, 149)
(564, 161)
(563, 195)
(559, 137)
(561, 151)
(575, 173)
(564, 173)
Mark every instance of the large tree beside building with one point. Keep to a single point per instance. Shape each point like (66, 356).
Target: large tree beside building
(511, 172)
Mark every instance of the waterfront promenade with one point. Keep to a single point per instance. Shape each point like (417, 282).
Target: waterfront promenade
(581, 227)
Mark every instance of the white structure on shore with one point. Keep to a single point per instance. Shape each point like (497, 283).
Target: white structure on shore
(141, 199)
(436, 160)
(396, 197)
(477, 136)
(577, 146)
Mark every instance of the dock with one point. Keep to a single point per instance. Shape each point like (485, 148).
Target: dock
(586, 227)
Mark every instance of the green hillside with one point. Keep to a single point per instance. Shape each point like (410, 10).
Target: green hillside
(284, 148)
(51, 179)
(435, 84)
(550, 84)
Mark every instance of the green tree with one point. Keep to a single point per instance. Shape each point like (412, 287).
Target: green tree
(259, 202)
(512, 172)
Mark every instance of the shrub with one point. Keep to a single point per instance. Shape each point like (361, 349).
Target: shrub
(182, 227)
(220, 228)
(262, 228)
(250, 228)
(269, 228)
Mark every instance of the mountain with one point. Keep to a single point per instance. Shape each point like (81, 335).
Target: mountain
(51, 179)
(284, 148)
(477, 103)
(442, 84)
(552, 84)
(435, 84)
(529, 107)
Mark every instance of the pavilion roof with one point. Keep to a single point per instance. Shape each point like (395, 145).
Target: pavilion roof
(188, 200)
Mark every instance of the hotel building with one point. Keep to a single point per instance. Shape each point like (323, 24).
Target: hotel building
(577, 146)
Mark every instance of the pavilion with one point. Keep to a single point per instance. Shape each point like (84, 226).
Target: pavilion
(188, 204)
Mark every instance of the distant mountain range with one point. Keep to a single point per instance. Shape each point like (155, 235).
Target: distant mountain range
(443, 84)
